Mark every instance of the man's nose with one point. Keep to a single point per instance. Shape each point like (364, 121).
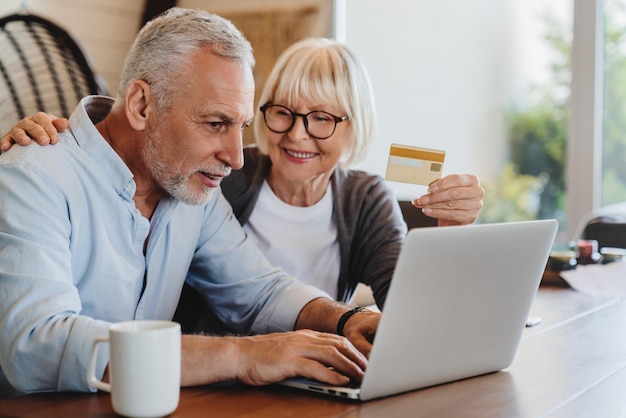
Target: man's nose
(232, 154)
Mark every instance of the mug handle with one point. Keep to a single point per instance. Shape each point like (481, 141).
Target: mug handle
(91, 370)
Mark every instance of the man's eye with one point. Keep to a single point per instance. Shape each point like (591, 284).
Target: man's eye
(217, 127)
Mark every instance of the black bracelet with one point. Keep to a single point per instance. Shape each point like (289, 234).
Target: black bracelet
(344, 318)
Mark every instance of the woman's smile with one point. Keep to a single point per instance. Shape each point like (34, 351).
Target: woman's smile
(300, 155)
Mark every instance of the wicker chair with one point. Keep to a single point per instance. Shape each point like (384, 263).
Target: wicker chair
(42, 69)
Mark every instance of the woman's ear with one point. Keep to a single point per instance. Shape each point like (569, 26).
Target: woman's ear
(138, 101)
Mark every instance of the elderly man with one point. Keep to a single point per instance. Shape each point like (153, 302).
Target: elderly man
(111, 222)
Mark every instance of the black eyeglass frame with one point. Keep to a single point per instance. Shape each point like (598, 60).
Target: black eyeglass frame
(304, 117)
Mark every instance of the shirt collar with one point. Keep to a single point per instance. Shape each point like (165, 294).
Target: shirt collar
(91, 110)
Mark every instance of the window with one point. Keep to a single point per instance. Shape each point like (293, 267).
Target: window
(528, 94)
(614, 103)
(532, 183)
(596, 169)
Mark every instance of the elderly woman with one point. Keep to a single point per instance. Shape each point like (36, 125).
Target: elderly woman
(297, 196)
(327, 224)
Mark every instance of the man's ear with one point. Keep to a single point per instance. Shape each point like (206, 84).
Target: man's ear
(138, 101)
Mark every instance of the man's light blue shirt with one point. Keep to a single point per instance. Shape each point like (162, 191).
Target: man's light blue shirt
(72, 258)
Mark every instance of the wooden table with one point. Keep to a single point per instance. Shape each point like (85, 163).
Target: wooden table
(571, 365)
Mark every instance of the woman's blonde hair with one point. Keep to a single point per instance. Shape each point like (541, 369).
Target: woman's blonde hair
(324, 71)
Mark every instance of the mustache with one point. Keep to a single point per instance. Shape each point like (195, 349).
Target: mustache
(218, 170)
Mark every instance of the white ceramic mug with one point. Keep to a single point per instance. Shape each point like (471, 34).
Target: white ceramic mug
(144, 367)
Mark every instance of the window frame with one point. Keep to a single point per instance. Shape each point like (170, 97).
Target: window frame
(584, 156)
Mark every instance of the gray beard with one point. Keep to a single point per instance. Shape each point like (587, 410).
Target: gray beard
(175, 186)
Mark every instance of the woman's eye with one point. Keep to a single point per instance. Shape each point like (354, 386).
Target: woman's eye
(321, 118)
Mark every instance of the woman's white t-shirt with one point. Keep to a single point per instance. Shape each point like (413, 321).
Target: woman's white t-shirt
(301, 240)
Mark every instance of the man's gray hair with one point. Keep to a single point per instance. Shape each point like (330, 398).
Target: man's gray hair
(161, 53)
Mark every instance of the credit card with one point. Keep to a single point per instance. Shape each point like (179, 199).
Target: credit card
(415, 165)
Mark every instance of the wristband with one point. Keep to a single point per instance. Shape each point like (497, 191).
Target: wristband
(344, 318)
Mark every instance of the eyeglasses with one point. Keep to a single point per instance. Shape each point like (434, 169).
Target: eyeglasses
(318, 124)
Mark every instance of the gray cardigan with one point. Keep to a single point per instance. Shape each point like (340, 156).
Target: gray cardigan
(370, 226)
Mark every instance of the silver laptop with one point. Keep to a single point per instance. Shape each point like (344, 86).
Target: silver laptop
(456, 307)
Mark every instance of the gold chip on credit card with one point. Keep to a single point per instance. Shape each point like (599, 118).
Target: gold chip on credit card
(408, 164)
